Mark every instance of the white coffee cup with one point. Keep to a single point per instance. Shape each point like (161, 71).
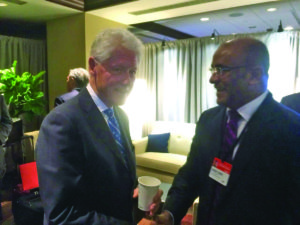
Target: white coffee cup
(148, 187)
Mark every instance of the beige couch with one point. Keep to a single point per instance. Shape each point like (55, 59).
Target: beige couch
(21, 152)
(164, 166)
(28, 146)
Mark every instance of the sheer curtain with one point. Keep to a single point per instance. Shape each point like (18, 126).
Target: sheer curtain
(177, 75)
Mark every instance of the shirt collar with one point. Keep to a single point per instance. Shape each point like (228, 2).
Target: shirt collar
(247, 110)
(99, 103)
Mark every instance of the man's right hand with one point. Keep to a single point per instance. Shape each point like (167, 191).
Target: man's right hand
(164, 218)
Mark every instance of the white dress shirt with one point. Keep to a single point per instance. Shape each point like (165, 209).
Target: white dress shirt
(246, 112)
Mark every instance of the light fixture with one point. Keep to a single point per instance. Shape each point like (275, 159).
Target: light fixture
(289, 28)
(214, 34)
(280, 29)
(271, 9)
(203, 19)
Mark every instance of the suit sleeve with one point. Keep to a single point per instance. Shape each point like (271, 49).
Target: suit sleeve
(6, 122)
(293, 177)
(60, 164)
(184, 189)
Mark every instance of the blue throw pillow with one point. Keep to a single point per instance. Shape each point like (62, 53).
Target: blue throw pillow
(158, 143)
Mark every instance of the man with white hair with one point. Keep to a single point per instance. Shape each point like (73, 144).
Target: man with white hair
(85, 156)
(77, 79)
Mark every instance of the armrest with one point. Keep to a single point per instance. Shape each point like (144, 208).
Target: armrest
(28, 148)
(28, 144)
(140, 145)
(195, 210)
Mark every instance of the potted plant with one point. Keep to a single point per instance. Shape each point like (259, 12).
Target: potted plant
(22, 93)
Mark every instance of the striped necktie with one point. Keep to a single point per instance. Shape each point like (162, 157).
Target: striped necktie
(230, 136)
(115, 130)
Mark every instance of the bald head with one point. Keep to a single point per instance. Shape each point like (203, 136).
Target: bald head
(250, 51)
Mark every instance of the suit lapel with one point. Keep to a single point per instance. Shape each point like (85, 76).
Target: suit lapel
(217, 132)
(126, 137)
(250, 142)
(98, 124)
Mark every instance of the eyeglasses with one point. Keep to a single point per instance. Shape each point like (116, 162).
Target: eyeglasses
(220, 70)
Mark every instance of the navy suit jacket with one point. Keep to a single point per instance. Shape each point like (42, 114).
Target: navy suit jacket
(65, 97)
(264, 184)
(82, 176)
(292, 101)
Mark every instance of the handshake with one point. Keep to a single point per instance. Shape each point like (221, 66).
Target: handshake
(149, 200)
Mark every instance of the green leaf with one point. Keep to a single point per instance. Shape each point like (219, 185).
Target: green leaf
(22, 93)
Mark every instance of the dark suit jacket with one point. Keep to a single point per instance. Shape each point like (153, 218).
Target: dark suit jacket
(264, 184)
(292, 101)
(5, 121)
(5, 129)
(83, 178)
(65, 97)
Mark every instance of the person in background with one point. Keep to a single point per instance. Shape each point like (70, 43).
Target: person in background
(292, 101)
(244, 162)
(77, 79)
(85, 156)
(5, 129)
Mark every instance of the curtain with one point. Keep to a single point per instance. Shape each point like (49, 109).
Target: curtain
(177, 75)
(30, 54)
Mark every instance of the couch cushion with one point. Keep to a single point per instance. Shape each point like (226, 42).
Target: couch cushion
(166, 162)
(179, 144)
(158, 142)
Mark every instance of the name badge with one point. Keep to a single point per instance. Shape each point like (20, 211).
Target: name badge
(220, 171)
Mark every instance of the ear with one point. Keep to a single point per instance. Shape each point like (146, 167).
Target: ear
(92, 65)
(256, 75)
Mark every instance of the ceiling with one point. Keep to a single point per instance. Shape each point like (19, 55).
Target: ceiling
(157, 20)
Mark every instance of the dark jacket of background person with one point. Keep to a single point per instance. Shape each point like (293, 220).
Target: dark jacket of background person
(5, 128)
(65, 97)
(292, 101)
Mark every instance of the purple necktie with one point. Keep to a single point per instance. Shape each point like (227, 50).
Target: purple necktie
(230, 136)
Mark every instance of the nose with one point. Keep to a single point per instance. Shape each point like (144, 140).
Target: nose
(213, 78)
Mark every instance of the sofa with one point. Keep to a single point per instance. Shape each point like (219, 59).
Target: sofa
(164, 165)
(28, 146)
(21, 151)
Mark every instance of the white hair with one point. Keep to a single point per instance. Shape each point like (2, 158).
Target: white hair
(108, 40)
(81, 77)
